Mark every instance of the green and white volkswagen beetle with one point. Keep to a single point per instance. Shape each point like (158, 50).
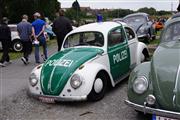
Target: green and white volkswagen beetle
(92, 57)
(154, 87)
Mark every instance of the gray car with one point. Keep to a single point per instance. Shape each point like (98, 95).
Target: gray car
(142, 25)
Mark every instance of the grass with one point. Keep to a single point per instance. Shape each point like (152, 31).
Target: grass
(157, 40)
(16, 55)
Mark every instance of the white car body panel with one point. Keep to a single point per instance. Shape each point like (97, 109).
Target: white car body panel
(94, 65)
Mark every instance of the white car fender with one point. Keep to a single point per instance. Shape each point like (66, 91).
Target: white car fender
(88, 74)
(37, 88)
(14, 36)
(140, 47)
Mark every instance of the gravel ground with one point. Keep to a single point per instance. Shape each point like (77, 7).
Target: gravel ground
(21, 107)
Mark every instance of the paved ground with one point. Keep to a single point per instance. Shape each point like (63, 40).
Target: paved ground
(16, 105)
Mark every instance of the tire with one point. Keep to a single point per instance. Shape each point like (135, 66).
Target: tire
(99, 88)
(17, 46)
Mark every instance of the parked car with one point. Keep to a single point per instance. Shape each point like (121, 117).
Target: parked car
(141, 23)
(48, 31)
(93, 57)
(154, 87)
(16, 43)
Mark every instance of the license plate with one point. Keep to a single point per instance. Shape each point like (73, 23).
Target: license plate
(155, 117)
(47, 99)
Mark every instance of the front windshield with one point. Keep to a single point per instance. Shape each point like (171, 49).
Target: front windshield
(84, 39)
(138, 19)
(171, 33)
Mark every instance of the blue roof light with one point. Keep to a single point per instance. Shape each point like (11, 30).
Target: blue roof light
(99, 18)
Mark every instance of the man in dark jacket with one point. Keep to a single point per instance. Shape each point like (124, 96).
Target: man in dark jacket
(5, 38)
(61, 27)
(24, 29)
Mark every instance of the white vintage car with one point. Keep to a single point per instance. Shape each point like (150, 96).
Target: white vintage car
(15, 39)
(93, 57)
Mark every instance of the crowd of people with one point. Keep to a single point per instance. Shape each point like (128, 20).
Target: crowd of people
(32, 35)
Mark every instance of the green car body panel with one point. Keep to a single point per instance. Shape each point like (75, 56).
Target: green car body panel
(60, 67)
(161, 73)
(119, 57)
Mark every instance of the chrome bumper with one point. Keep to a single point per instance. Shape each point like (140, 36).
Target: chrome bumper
(155, 111)
(58, 98)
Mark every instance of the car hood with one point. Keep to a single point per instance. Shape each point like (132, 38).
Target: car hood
(60, 67)
(165, 76)
(135, 26)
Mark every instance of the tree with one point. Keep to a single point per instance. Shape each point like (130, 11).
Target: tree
(3, 8)
(16, 8)
(76, 5)
(76, 8)
(150, 11)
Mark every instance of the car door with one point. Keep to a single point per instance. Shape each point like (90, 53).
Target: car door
(118, 53)
(132, 43)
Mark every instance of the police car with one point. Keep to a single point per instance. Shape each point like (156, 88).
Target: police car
(93, 57)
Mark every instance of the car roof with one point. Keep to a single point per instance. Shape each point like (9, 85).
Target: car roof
(98, 26)
(134, 14)
(176, 15)
(172, 20)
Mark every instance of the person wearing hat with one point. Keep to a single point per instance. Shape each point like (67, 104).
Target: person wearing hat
(38, 27)
(5, 38)
(24, 29)
(61, 27)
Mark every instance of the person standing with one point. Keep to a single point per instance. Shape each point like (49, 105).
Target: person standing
(38, 27)
(5, 38)
(24, 29)
(61, 27)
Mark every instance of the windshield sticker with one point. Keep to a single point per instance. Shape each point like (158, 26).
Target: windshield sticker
(120, 56)
(60, 62)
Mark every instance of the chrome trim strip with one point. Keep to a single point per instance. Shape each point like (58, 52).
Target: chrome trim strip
(176, 86)
(177, 76)
(160, 112)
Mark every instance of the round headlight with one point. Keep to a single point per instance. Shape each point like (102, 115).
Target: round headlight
(33, 79)
(140, 85)
(75, 81)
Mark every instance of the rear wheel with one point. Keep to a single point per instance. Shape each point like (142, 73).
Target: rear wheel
(17, 45)
(99, 87)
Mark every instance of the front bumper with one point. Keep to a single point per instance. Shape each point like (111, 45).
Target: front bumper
(155, 111)
(58, 98)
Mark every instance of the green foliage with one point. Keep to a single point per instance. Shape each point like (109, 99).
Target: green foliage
(119, 13)
(150, 11)
(162, 12)
(16, 8)
(76, 5)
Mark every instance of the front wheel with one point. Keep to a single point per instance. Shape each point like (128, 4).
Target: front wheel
(99, 88)
(17, 46)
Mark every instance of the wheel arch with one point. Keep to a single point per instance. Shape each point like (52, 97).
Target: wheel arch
(141, 49)
(104, 72)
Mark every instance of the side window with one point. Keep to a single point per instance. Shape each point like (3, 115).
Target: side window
(130, 33)
(116, 36)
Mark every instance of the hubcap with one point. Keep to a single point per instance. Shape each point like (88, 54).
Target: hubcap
(17, 47)
(98, 85)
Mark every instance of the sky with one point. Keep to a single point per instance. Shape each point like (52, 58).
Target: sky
(124, 4)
